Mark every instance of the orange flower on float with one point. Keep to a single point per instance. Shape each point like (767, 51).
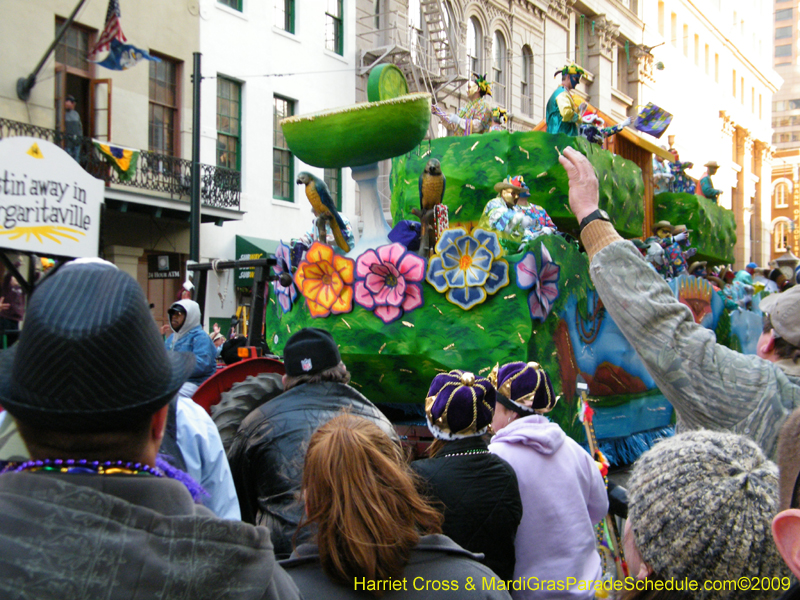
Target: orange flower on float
(326, 281)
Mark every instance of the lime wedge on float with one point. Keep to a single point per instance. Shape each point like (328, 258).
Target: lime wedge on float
(359, 134)
(386, 81)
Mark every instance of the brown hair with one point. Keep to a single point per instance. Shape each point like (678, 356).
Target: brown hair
(337, 374)
(436, 446)
(783, 349)
(361, 494)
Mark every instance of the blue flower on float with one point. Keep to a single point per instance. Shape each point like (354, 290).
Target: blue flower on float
(467, 267)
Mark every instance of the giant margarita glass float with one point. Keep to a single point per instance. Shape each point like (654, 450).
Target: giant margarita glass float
(359, 136)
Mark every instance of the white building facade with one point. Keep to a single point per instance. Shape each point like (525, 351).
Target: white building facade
(707, 62)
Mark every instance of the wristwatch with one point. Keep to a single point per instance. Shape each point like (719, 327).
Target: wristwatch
(599, 214)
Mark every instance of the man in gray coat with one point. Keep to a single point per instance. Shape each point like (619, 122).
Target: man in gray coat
(73, 128)
(92, 514)
(710, 386)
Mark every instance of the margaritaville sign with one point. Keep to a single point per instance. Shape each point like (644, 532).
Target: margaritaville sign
(48, 204)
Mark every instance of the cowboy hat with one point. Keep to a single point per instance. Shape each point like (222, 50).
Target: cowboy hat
(661, 225)
(506, 185)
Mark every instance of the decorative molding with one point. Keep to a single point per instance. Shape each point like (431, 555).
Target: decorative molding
(559, 10)
(728, 125)
(492, 12)
(604, 38)
(531, 9)
(744, 142)
(642, 64)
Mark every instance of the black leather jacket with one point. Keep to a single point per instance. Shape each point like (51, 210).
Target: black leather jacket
(268, 453)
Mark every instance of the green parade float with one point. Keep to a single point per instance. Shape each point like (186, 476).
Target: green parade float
(481, 298)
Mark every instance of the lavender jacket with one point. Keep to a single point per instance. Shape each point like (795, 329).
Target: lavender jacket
(563, 497)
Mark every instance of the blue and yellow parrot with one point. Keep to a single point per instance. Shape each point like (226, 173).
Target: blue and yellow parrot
(322, 205)
(431, 185)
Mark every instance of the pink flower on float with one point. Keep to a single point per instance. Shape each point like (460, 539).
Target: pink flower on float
(388, 281)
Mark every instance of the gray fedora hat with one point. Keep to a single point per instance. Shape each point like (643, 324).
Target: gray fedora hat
(90, 357)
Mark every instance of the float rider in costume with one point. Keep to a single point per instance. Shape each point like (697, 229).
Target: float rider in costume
(499, 118)
(513, 215)
(500, 210)
(476, 115)
(707, 188)
(563, 114)
(681, 182)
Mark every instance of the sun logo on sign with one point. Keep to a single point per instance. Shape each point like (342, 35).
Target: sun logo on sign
(42, 232)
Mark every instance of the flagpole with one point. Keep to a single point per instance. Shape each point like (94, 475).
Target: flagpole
(25, 84)
(194, 227)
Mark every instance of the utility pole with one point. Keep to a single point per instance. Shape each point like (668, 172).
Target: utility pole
(194, 206)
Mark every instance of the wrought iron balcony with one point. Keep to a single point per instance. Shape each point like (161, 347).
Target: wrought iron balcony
(219, 187)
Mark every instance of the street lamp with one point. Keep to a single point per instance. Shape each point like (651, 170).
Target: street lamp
(787, 263)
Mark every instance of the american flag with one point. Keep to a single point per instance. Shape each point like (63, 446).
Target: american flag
(113, 29)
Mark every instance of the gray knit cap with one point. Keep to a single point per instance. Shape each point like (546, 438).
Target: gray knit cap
(701, 505)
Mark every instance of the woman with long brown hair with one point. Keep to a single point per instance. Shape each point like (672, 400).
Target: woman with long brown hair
(374, 532)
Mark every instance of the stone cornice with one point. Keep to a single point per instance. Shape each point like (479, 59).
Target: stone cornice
(604, 37)
(559, 10)
(642, 63)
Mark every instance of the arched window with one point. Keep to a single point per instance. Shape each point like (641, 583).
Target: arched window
(526, 92)
(781, 195)
(474, 43)
(780, 236)
(499, 68)
(449, 19)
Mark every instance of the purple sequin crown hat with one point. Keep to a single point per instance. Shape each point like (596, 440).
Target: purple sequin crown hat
(524, 388)
(459, 405)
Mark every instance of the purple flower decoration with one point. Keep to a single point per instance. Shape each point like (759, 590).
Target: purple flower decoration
(543, 281)
(388, 281)
(286, 295)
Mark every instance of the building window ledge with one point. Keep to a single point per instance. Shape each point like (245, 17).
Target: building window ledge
(232, 11)
(285, 203)
(622, 97)
(338, 57)
(286, 34)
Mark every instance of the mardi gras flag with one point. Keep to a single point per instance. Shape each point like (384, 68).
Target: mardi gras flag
(653, 120)
(122, 159)
(124, 56)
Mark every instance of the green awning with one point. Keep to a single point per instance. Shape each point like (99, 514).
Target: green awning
(251, 248)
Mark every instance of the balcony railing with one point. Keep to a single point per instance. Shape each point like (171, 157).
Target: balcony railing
(219, 187)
